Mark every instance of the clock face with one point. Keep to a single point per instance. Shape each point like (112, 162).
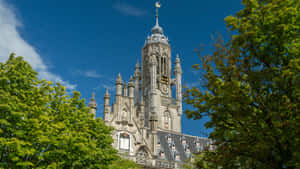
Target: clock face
(164, 89)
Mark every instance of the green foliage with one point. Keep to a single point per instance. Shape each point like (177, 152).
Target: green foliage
(43, 127)
(124, 163)
(253, 89)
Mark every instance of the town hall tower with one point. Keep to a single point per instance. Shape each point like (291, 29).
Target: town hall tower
(146, 113)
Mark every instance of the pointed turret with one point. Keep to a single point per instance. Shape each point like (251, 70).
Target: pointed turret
(93, 105)
(107, 108)
(125, 89)
(178, 74)
(131, 87)
(137, 77)
(137, 66)
(106, 97)
(177, 65)
(119, 84)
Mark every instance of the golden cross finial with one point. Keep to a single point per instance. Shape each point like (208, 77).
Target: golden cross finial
(157, 5)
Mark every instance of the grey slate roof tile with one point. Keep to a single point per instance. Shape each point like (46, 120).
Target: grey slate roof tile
(179, 147)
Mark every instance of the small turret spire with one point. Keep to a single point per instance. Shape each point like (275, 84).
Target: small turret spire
(93, 105)
(177, 59)
(119, 79)
(137, 66)
(106, 92)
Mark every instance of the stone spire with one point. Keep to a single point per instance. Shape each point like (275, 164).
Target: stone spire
(93, 104)
(178, 75)
(125, 89)
(106, 97)
(177, 65)
(119, 83)
(107, 107)
(137, 66)
(119, 79)
(137, 76)
(131, 88)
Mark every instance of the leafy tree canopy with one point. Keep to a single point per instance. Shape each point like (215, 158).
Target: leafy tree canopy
(252, 88)
(43, 127)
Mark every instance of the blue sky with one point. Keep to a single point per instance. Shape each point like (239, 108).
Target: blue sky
(85, 44)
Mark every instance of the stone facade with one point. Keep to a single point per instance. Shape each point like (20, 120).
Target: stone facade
(145, 115)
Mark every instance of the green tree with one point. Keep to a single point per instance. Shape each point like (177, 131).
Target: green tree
(43, 127)
(252, 88)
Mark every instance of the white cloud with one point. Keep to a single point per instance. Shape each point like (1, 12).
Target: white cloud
(90, 73)
(11, 41)
(128, 9)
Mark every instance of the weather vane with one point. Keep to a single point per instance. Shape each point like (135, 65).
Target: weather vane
(157, 5)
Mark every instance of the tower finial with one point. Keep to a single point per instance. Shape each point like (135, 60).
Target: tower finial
(157, 5)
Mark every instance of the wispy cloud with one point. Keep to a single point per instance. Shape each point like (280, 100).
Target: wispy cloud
(11, 41)
(109, 87)
(107, 83)
(90, 73)
(128, 9)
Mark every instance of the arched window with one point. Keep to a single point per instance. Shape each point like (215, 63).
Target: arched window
(124, 143)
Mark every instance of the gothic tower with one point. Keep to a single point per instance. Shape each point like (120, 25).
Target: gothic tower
(146, 114)
(157, 82)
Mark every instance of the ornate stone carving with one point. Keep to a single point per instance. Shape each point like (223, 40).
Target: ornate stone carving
(141, 157)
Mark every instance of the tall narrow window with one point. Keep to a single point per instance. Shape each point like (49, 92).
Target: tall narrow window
(157, 65)
(165, 70)
(161, 65)
(124, 141)
(166, 120)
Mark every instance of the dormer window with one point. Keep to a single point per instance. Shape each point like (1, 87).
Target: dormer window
(169, 138)
(187, 149)
(124, 143)
(177, 157)
(198, 144)
(173, 147)
(162, 155)
(183, 141)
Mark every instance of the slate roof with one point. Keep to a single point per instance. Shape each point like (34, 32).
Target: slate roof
(172, 145)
